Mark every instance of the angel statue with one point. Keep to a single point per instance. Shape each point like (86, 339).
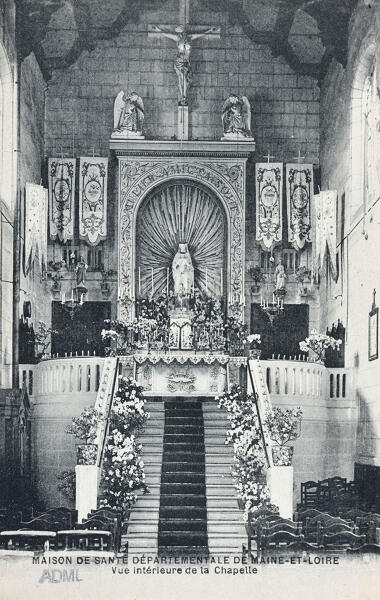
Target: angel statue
(236, 118)
(128, 116)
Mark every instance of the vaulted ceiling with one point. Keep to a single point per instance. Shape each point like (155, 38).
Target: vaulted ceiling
(307, 33)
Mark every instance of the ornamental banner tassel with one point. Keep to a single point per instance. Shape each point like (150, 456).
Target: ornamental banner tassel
(299, 191)
(268, 204)
(35, 225)
(61, 198)
(93, 199)
(325, 228)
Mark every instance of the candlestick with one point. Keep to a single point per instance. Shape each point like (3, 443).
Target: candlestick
(167, 281)
(272, 298)
(221, 281)
(140, 282)
(152, 282)
(72, 295)
(206, 278)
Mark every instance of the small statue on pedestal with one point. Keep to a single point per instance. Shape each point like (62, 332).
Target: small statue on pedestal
(280, 278)
(236, 118)
(128, 116)
(183, 272)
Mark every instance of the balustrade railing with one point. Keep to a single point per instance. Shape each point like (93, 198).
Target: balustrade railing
(293, 378)
(63, 375)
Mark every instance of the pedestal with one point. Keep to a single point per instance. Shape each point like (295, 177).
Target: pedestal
(183, 122)
(280, 483)
(86, 486)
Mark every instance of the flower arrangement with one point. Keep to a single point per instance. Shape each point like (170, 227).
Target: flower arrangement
(256, 274)
(319, 343)
(85, 426)
(302, 273)
(123, 468)
(284, 425)
(254, 340)
(66, 484)
(249, 454)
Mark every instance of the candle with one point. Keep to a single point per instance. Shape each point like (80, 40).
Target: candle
(221, 281)
(167, 281)
(139, 281)
(152, 282)
(206, 278)
(72, 295)
(272, 298)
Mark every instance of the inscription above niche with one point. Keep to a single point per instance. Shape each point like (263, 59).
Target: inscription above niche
(143, 166)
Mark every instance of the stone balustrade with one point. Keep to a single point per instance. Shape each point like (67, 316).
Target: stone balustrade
(62, 375)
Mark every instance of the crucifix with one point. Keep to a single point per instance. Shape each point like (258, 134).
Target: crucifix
(183, 37)
(269, 156)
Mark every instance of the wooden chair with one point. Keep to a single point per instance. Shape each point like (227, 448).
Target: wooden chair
(310, 513)
(309, 493)
(342, 541)
(365, 549)
(278, 540)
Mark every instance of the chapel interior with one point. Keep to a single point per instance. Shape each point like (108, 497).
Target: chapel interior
(196, 173)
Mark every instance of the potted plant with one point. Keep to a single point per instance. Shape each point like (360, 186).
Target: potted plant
(84, 428)
(318, 343)
(257, 277)
(254, 341)
(284, 425)
(302, 276)
(42, 339)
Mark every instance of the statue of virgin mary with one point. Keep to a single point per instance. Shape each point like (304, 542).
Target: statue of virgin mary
(183, 271)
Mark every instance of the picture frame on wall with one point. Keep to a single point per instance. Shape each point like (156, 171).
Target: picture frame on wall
(373, 331)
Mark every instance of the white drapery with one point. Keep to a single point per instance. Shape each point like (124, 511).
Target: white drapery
(36, 201)
(180, 212)
(325, 208)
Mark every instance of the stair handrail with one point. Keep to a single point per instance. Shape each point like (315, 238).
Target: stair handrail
(103, 404)
(262, 403)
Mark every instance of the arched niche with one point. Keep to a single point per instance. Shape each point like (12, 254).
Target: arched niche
(221, 178)
(180, 211)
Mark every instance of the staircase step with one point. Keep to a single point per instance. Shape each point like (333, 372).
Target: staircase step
(174, 466)
(195, 525)
(183, 477)
(188, 500)
(182, 538)
(183, 512)
(183, 488)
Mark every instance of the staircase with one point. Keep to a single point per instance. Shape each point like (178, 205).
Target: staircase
(182, 524)
(226, 529)
(142, 529)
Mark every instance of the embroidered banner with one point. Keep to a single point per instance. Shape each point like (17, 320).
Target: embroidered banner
(35, 225)
(325, 229)
(93, 199)
(299, 191)
(61, 198)
(268, 204)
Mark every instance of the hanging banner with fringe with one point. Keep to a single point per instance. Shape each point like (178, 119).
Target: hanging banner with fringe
(93, 199)
(299, 191)
(36, 201)
(325, 207)
(61, 198)
(269, 204)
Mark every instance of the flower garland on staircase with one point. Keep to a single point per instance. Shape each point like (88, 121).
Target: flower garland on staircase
(123, 472)
(249, 468)
(123, 468)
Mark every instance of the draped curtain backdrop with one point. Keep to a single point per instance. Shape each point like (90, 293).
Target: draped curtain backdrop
(180, 212)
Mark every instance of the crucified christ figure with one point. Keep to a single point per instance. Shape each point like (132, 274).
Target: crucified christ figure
(182, 64)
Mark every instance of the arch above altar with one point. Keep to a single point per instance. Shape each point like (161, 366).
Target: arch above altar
(218, 168)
